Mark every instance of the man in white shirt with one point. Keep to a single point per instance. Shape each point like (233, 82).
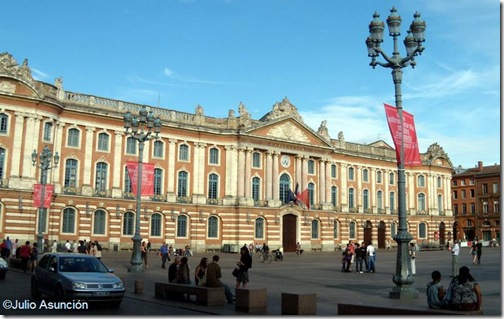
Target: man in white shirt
(455, 254)
(54, 247)
(68, 248)
(371, 257)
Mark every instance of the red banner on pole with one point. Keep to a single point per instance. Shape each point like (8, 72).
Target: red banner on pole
(37, 195)
(411, 153)
(147, 178)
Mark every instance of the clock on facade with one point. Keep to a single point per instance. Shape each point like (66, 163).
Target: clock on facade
(285, 160)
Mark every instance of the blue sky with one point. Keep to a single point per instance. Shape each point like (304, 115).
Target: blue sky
(217, 53)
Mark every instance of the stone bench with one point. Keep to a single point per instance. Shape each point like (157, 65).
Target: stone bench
(15, 263)
(251, 300)
(207, 296)
(299, 304)
(213, 249)
(358, 309)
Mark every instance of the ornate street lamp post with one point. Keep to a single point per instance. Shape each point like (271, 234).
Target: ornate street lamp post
(141, 129)
(45, 160)
(413, 43)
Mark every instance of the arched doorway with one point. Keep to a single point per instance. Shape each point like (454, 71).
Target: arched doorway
(289, 232)
(368, 229)
(442, 229)
(381, 235)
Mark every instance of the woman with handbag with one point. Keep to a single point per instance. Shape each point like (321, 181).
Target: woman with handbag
(242, 276)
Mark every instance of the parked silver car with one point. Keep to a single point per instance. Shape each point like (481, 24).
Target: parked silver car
(3, 268)
(69, 276)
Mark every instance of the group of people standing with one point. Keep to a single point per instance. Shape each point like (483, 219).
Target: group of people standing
(82, 247)
(360, 254)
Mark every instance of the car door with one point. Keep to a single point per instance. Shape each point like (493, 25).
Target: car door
(52, 274)
(41, 273)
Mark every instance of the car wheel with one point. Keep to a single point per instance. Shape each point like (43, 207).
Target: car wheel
(58, 294)
(35, 293)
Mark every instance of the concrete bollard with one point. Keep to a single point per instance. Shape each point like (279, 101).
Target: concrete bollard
(139, 287)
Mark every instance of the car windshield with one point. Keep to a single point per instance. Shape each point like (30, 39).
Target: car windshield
(79, 264)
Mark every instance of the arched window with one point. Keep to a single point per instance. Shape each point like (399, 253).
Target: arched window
(213, 227)
(421, 181)
(4, 120)
(131, 146)
(440, 203)
(128, 188)
(422, 230)
(421, 201)
(128, 223)
(68, 221)
(99, 222)
(379, 177)
(73, 137)
(352, 230)
(439, 182)
(365, 175)
(155, 229)
(351, 199)
(365, 199)
(393, 229)
(256, 188)
(351, 174)
(2, 163)
(284, 187)
(311, 167)
(183, 152)
(71, 169)
(182, 184)
(213, 186)
(393, 208)
(334, 196)
(101, 176)
(391, 179)
(182, 226)
(259, 228)
(256, 160)
(379, 199)
(315, 229)
(158, 181)
(158, 149)
(311, 194)
(333, 171)
(214, 156)
(103, 142)
(336, 229)
(48, 131)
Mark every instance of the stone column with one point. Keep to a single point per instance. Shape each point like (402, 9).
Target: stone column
(344, 187)
(298, 171)
(117, 167)
(248, 172)
(32, 129)
(87, 142)
(171, 177)
(372, 192)
(322, 182)
(358, 191)
(276, 191)
(269, 175)
(328, 186)
(58, 136)
(231, 175)
(304, 175)
(16, 145)
(411, 203)
(241, 173)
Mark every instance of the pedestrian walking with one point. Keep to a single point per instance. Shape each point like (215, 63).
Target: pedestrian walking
(15, 249)
(359, 258)
(8, 248)
(474, 253)
(412, 256)
(163, 252)
(479, 250)
(366, 259)
(371, 253)
(54, 247)
(455, 255)
(98, 250)
(33, 257)
(24, 253)
(143, 253)
(244, 264)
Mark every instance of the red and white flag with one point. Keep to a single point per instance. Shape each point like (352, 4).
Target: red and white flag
(37, 195)
(147, 177)
(411, 153)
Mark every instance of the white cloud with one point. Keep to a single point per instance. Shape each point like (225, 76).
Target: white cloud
(39, 75)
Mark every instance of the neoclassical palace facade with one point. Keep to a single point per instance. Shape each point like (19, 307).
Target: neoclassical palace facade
(217, 181)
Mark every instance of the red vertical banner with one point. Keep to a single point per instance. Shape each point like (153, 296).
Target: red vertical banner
(411, 153)
(37, 195)
(147, 178)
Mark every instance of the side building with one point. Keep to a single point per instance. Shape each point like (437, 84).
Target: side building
(217, 181)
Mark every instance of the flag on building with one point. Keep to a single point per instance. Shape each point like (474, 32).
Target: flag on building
(37, 195)
(147, 178)
(411, 153)
(299, 198)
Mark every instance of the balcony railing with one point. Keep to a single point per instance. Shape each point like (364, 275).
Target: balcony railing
(72, 190)
(184, 199)
(158, 198)
(260, 203)
(102, 193)
(4, 183)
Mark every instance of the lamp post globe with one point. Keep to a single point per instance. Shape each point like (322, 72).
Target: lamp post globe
(402, 278)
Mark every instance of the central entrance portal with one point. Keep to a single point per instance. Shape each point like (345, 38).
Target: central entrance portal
(289, 232)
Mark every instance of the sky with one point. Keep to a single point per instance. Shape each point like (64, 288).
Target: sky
(178, 54)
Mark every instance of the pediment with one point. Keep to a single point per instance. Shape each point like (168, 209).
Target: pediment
(15, 78)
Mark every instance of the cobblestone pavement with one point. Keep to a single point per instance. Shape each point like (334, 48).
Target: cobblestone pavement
(318, 273)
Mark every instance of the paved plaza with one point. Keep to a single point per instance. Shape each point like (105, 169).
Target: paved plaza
(318, 273)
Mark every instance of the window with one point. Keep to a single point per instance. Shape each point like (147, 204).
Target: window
(350, 173)
(462, 183)
(256, 160)
(48, 131)
(73, 137)
(2, 162)
(256, 188)
(334, 196)
(440, 203)
(284, 187)
(315, 229)
(365, 175)
(463, 193)
(473, 209)
(471, 181)
(455, 209)
(422, 230)
(421, 181)
(183, 152)
(485, 207)
(101, 176)
(454, 183)
(379, 200)
(484, 188)
(421, 201)
(182, 226)
(333, 171)
(128, 188)
(336, 229)
(158, 149)
(155, 229)
(393, 208)
(365, 199)
(158, 181)
(4, 120)
(464, 209)
(496, 207)
(214, 156)
(70, 173)
(352, 232)
(471, 192)
(391, 179)
(259, 228)
(103, 142)
(311, 167)
(68, 221)
(393, 229)
(455, 195)
(379, 177)
(213, 186)
(128, 223)
(213, 227)
(182, 184)
(351, 199)
(99, 222)
(131, 146)
(439, 182)
(495, 188)
(311, 193)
